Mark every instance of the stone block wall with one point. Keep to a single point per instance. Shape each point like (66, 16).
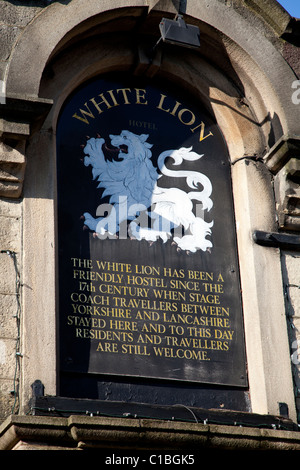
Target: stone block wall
(10, 299)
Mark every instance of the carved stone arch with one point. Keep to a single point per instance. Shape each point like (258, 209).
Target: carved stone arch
(47, 31)
(220, 90)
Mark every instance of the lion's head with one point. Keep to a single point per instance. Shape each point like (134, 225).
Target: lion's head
(131, 145)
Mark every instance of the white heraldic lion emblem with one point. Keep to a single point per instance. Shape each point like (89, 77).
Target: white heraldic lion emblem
(132, 183)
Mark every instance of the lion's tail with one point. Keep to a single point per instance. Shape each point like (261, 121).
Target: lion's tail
(193, 178)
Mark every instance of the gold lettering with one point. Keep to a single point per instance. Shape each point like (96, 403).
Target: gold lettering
(147, 310)
(124, 93)
(173, 272)
(111, 92)
(160, 105)
(104, 101)
(192, 119)
(135, 349)
(173, 112)
(202, 275)
(202, 129)
(213, 287)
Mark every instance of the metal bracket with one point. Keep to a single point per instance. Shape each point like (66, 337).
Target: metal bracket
(277, 240)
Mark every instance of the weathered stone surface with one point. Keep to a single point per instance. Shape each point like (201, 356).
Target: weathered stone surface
(7, 398)
(7, 352)
(12, 169)
(9, 306)
(287, 194)
(9, 240)
(18, 120)
(272, 12)
(287, 147)
(81, 432)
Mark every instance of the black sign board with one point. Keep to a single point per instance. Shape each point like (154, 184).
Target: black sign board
(148, 266)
